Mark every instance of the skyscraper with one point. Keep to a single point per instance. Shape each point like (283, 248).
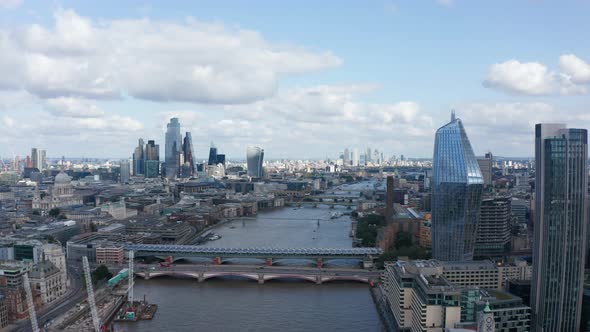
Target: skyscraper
(493, 229)
(152, 151)
(38, 159)
(346, 157)
(456, 194)
(139, 158)
(485, 165)
(356, 158)
(124, 171)
(187, 149)
(173, 148)
(254, 158)
(212, 155)
(561, 156)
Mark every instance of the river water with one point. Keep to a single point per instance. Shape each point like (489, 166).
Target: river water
(242, 305)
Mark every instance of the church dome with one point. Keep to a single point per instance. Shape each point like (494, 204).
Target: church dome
(62, 178)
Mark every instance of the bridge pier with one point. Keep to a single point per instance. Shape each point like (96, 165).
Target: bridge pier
(201, 276)
(260, 278)
(320, 263)
(217, 261)
(269, 262)
(318, 280)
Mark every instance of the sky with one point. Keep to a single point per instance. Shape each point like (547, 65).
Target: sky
(302, 79)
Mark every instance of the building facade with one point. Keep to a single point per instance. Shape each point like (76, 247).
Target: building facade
(47, 281)
(456, 194)
(493, 229)
(485, 165)
(173, 148)
(561, 185)
(254, 158)
(61, 194)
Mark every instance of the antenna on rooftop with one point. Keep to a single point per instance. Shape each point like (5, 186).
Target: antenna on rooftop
(452, 115)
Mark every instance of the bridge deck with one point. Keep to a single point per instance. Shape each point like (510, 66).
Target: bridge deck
(264, 251)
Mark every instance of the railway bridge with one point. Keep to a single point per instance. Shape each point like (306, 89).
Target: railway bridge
(319, 255)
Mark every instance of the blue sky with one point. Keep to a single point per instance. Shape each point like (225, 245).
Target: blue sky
(302, 79)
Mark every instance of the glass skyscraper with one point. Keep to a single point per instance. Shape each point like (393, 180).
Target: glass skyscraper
(561, 182)
(189, 162)
(254, 158)
(173, 148)
(456, 194)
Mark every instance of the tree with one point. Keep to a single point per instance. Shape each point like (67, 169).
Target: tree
(101, 272)
(54, 212)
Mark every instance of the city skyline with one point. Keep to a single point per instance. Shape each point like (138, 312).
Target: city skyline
(287, 84)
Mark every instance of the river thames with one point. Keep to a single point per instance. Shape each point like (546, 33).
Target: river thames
(242, 305)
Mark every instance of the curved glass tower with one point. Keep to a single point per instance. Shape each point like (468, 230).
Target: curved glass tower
(456, 194)
(254, 158)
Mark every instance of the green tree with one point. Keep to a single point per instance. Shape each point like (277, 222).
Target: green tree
(54, 212)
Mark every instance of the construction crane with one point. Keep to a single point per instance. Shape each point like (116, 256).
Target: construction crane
(130, 290)
(30, 304)
(90, 290)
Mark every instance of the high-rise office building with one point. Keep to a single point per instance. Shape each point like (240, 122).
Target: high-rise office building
(212, 155)
(456, 194)
(254, 158)
(221, 159)
(152, 168)
(152, 151)
(346, 157)
(173, 148)
(368, 156)
(189, 162)
(561, 156)
(124, 171)
(493, 229)
(139, 158)
(38, 159)
(485, 165)
(355, 157)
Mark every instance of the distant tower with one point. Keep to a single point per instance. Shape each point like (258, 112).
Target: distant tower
(456, 194)
(124, 171)
(139, 159)
(187, 148)
(254, 158)
(212, 155)
(561, 217)
(173, 148)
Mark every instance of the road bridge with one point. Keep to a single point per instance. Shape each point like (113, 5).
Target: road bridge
(319, 255)
(257, 273)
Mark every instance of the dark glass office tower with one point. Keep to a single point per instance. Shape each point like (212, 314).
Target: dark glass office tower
(254, 158)
(189, 162)
(173, 148)
(139, 159)
(212, 155)
(561, 156)
(456, 194)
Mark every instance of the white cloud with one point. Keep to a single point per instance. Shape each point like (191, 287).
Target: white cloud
(155, 60)
(72, 107)
(578, 69)
(10, 4)
(534, 78)
(507, 128)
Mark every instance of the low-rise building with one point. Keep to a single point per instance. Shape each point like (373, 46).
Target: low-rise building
(47, 281)
(110, 253)
(484, 274)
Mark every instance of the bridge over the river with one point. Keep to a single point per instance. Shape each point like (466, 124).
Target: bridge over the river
(260, 274)
(319, 255)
